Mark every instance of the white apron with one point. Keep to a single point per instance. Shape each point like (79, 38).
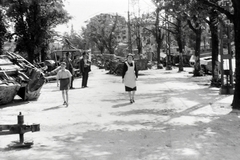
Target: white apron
(130, 77)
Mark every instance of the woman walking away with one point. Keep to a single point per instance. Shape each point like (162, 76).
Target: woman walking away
(129, 77)
(64, 76)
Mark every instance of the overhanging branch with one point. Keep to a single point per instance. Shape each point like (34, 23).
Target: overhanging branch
(220, 9)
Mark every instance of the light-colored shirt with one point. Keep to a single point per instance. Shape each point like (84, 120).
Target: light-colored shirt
(63, 74)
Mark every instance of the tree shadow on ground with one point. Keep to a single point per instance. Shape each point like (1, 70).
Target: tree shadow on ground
(154, 140)
(146, 111)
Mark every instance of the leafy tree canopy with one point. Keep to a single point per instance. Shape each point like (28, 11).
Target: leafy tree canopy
(34, 22)
(104, 30)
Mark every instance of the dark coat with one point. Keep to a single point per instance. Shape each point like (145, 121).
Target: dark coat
(83, 67)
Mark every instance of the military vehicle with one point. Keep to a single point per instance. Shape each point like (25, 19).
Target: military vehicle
(19, 77)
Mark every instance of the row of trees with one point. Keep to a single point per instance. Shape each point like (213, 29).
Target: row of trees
(107, 31)
(215, 13)
(184, 19)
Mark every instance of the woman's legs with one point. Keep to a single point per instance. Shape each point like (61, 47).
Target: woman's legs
(67, 96)
(63, 96)
(83, 79)
(130, 96)
(86, 79)
(133, 94)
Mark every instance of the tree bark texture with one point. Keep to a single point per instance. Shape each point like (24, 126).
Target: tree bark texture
(236, 98)
(158, 38)
(215, 47)
(198, 32)
(197, 67)
(180, 43)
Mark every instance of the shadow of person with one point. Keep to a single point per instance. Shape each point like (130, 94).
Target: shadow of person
(121, 105)
(52, 108)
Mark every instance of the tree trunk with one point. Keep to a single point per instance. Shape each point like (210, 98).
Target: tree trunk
(179, 41)
(197, 67)
(30, 55)
(198, 32)
(111, 51)
(139, 45)
(138, 39)
(236, 98)
(180, 44)
(215, 48)
(158, 53)
(158, 35)
(109, 46)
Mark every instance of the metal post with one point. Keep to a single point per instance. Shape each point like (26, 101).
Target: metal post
(229, 52)
(221, 53)
(228, 87)
(20, 119)
(20, 128)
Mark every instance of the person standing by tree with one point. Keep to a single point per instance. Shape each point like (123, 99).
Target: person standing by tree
(85, 68)
(129, 77)
(69, 66)
(64, 76)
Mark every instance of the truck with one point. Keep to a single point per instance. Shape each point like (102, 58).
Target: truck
(19, 77)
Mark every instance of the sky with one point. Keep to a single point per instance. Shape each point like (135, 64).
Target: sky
(83, 10)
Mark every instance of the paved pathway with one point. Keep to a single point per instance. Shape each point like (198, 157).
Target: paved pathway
(171, 119)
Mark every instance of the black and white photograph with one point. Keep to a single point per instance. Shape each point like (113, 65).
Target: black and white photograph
(119, 79)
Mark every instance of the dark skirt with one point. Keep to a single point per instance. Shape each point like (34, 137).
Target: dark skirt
(64, 84)
(128, 89)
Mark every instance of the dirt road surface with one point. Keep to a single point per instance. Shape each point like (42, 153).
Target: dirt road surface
(175, 117)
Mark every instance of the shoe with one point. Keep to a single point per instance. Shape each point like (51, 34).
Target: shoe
(131, 101)
(72, 88)
(64, 103)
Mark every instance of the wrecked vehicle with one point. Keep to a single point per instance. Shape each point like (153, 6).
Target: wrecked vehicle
(115, 65)
(58, 56)
(19, 77)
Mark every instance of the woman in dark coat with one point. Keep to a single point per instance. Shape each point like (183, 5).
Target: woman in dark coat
(85, 68)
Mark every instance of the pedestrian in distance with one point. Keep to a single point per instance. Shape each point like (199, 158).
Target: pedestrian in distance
(129, 77)
(85, 68)
(64, 76)
(69, 66)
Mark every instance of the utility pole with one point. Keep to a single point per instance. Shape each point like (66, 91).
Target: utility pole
(129, 32)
